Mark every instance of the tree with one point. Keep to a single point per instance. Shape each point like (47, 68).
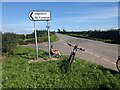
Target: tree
(9, 43)
(64, 30)
(59, 30)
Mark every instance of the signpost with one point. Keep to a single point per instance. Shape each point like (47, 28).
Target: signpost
(41, 16)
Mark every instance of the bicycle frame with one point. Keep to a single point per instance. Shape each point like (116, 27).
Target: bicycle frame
(72, 55)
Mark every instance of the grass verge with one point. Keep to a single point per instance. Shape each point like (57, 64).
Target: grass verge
(18, 73)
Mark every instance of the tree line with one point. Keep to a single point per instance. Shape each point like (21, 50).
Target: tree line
(111, 35)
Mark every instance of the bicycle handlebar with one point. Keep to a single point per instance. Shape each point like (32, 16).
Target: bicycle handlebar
(81, 49)
(76, 46)
(70, 45)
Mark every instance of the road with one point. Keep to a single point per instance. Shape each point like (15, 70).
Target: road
(98, 52)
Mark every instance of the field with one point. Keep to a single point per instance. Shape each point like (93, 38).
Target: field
(18, 73)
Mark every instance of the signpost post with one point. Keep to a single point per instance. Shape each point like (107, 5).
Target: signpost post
(48, 29)
(41, 16)
(36, 45)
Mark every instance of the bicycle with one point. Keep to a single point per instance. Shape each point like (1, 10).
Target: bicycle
(118, 63)
(72, 55)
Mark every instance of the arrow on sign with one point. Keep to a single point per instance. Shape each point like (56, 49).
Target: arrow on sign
(30, 16)
(39, 15)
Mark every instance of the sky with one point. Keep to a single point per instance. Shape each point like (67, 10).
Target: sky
(71, 16)
(60, 0)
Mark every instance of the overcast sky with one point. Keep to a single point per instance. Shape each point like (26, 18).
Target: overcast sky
(77, 16)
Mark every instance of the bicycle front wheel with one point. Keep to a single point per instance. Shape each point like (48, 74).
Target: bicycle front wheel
(118, 64)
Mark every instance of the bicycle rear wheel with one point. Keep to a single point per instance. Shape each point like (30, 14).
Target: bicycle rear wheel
(118, 64)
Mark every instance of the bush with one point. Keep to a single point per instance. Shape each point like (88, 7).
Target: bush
(9, 42)
(21, 36)
(20, 41)
(53, 37)
(31, 40)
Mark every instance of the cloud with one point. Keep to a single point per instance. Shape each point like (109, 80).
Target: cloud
(20, 27)
(29, 29)
(23, 27)
(93, 20)
(101, 15)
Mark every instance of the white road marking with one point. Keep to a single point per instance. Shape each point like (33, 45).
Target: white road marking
(113, 63)
(99, 57)
(89, 52)
(96, 55)
(93, 54)
(105, 59)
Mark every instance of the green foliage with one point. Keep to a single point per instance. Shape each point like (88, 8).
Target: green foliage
(58, 30)
(41, 33)
(41, 37)
(53, 37)
(28, 53)
(21, 36)
(18, 73)
(28, 36)
(9, 42)
(64, 30)
(31, 40)
(21, 42)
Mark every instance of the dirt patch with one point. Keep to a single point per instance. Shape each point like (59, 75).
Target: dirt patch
(42, 60)
(54, 58)
(33, 44)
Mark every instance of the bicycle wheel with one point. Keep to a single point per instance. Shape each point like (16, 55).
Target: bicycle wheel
(118, 64)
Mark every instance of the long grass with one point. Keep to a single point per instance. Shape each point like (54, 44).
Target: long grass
(18, 73)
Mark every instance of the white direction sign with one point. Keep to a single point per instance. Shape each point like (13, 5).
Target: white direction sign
(40, 15)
